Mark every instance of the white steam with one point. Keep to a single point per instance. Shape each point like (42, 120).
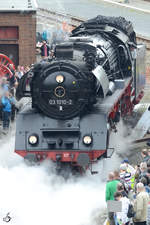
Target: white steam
(36, 195)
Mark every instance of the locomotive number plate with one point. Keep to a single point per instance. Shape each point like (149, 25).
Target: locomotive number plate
(60, 102)
(66, 155)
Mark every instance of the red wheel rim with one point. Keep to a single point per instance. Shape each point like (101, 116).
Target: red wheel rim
(4, 65)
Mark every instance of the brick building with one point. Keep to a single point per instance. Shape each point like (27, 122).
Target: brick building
(18, 30)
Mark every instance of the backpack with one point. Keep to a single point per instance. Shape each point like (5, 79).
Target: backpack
(131, 212)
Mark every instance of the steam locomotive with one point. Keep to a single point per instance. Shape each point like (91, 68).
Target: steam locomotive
(79, 95)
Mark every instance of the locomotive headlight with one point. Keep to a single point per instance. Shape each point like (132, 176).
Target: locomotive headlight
(60, 79)
(87, 140)
(33, 139)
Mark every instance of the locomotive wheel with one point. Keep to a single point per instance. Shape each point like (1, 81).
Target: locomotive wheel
(4, 65)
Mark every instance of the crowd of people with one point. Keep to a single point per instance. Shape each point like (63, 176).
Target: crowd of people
(8, 84)
(130, 185)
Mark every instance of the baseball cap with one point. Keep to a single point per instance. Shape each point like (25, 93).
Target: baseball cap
(123, 167)
(125, 161)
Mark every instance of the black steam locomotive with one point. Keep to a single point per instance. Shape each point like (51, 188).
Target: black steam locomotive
(78, 95)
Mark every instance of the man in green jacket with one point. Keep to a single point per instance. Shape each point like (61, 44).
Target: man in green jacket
(111, 188)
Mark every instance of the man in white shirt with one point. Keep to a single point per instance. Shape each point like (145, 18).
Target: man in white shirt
(122, 218)
(129, 167)
(125, 177)
(131, 170)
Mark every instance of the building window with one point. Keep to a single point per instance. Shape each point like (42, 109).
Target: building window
(9, 33)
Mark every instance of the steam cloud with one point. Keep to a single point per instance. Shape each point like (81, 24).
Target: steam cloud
(36, 195)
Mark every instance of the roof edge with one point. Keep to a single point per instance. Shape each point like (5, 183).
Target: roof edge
(18, 10)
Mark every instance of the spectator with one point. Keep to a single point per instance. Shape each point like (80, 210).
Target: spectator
(143, 169)
(116, 175)
(148, 176)
(141, 205)
(143, 173)
(120, 188)
(122, 218)
(148, 214)
(145, 156)
(148, 164)
(26, 69)
(131, 170)
(125, 177)
(22, 69)
(143, 180)
(44, 50)
(4, 84)
(19, 73)
(12, 80)
(16, 77)
(137, 172)
(148, 152)
(111, 188)
(7, 101)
